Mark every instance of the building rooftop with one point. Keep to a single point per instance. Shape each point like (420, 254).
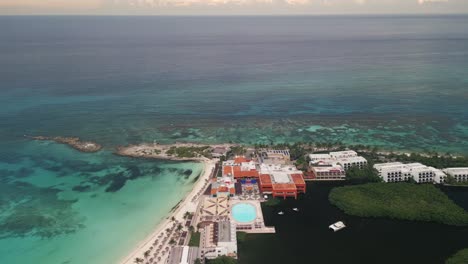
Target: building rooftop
(281, 177)
(183, 255)
(319, 156)
(460, 170)
(285, 186)
(380, 166)
(265, 179)
(343, 154)
(224, 231)
(335, 168)
(351, 159)
(271, 168)
(298, 179)
(240, 160)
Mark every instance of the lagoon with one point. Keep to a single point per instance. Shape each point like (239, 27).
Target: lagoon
(304, 237)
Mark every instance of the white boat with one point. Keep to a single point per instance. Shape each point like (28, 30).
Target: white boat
(265, 196)
(281, 213)
(295, 209)
(337, 226)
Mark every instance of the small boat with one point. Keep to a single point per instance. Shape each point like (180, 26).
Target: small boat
(295, 209)
(281, 213)
(337, 226)
(265, 196)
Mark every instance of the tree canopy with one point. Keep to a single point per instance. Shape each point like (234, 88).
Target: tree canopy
(422, 202)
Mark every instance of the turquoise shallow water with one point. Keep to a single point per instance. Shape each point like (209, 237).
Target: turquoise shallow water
(394, 82)
(62, 206)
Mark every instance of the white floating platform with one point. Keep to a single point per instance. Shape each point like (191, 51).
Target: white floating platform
(337, 226)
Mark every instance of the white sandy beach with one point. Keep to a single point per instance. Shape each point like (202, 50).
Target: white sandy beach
(187, 204)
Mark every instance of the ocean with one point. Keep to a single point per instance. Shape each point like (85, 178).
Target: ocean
(394, 82)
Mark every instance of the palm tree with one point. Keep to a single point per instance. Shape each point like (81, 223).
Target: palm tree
(191, 229)
(173, 218)
(138, 260)
(172, 241)
(146, 254)
(179, 227)
(186, 215)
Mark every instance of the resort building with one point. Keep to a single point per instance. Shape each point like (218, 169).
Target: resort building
(281, 181)
(218, 239)
(183, 255)
(274, 156)
(398, 172)
(343, 154)
(421, 173)
(276, 178)
(350, 162)
(240, 168)
(328, 173)
(332, 166)
(320, 159)
(346, 159)
(459, 174)
(219, 151)
(223, 187)
(393, 171)
(439, 175)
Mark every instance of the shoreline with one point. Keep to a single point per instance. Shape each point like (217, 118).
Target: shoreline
(178, 211)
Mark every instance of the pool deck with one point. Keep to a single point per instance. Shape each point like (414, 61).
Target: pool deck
(257, 226)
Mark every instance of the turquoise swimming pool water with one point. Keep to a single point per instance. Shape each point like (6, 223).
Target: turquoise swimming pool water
(244, 212)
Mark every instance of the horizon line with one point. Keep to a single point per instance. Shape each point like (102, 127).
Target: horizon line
(241, 15)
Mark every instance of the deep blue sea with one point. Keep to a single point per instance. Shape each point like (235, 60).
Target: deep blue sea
(395, 82)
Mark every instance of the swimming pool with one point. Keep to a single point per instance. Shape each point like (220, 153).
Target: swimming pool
(244, 212)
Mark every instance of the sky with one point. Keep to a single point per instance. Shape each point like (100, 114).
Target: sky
(227, 7)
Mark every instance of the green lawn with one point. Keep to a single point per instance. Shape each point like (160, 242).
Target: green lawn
(421, 202)
(461, 257)
(194, 239)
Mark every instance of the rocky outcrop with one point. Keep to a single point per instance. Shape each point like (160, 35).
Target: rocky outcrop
(74, 142)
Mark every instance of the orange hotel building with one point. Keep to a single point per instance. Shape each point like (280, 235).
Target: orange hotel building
(290, 185)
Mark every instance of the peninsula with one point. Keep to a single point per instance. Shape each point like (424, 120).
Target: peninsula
(74, 142)
(177, 151)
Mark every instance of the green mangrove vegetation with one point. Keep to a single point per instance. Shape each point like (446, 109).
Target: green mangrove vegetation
(406, 201)
(461, 257)
(272, 202)
(190, 152)
(366, 174)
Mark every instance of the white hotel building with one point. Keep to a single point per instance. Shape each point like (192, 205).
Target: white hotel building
(350, 162)
(459, 174)
(398, 172)
(332, 166)
(346, 159)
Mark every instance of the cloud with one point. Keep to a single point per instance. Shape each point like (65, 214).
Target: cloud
(75, 4)
(220, 7)
(422, 2)
(184, 3)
